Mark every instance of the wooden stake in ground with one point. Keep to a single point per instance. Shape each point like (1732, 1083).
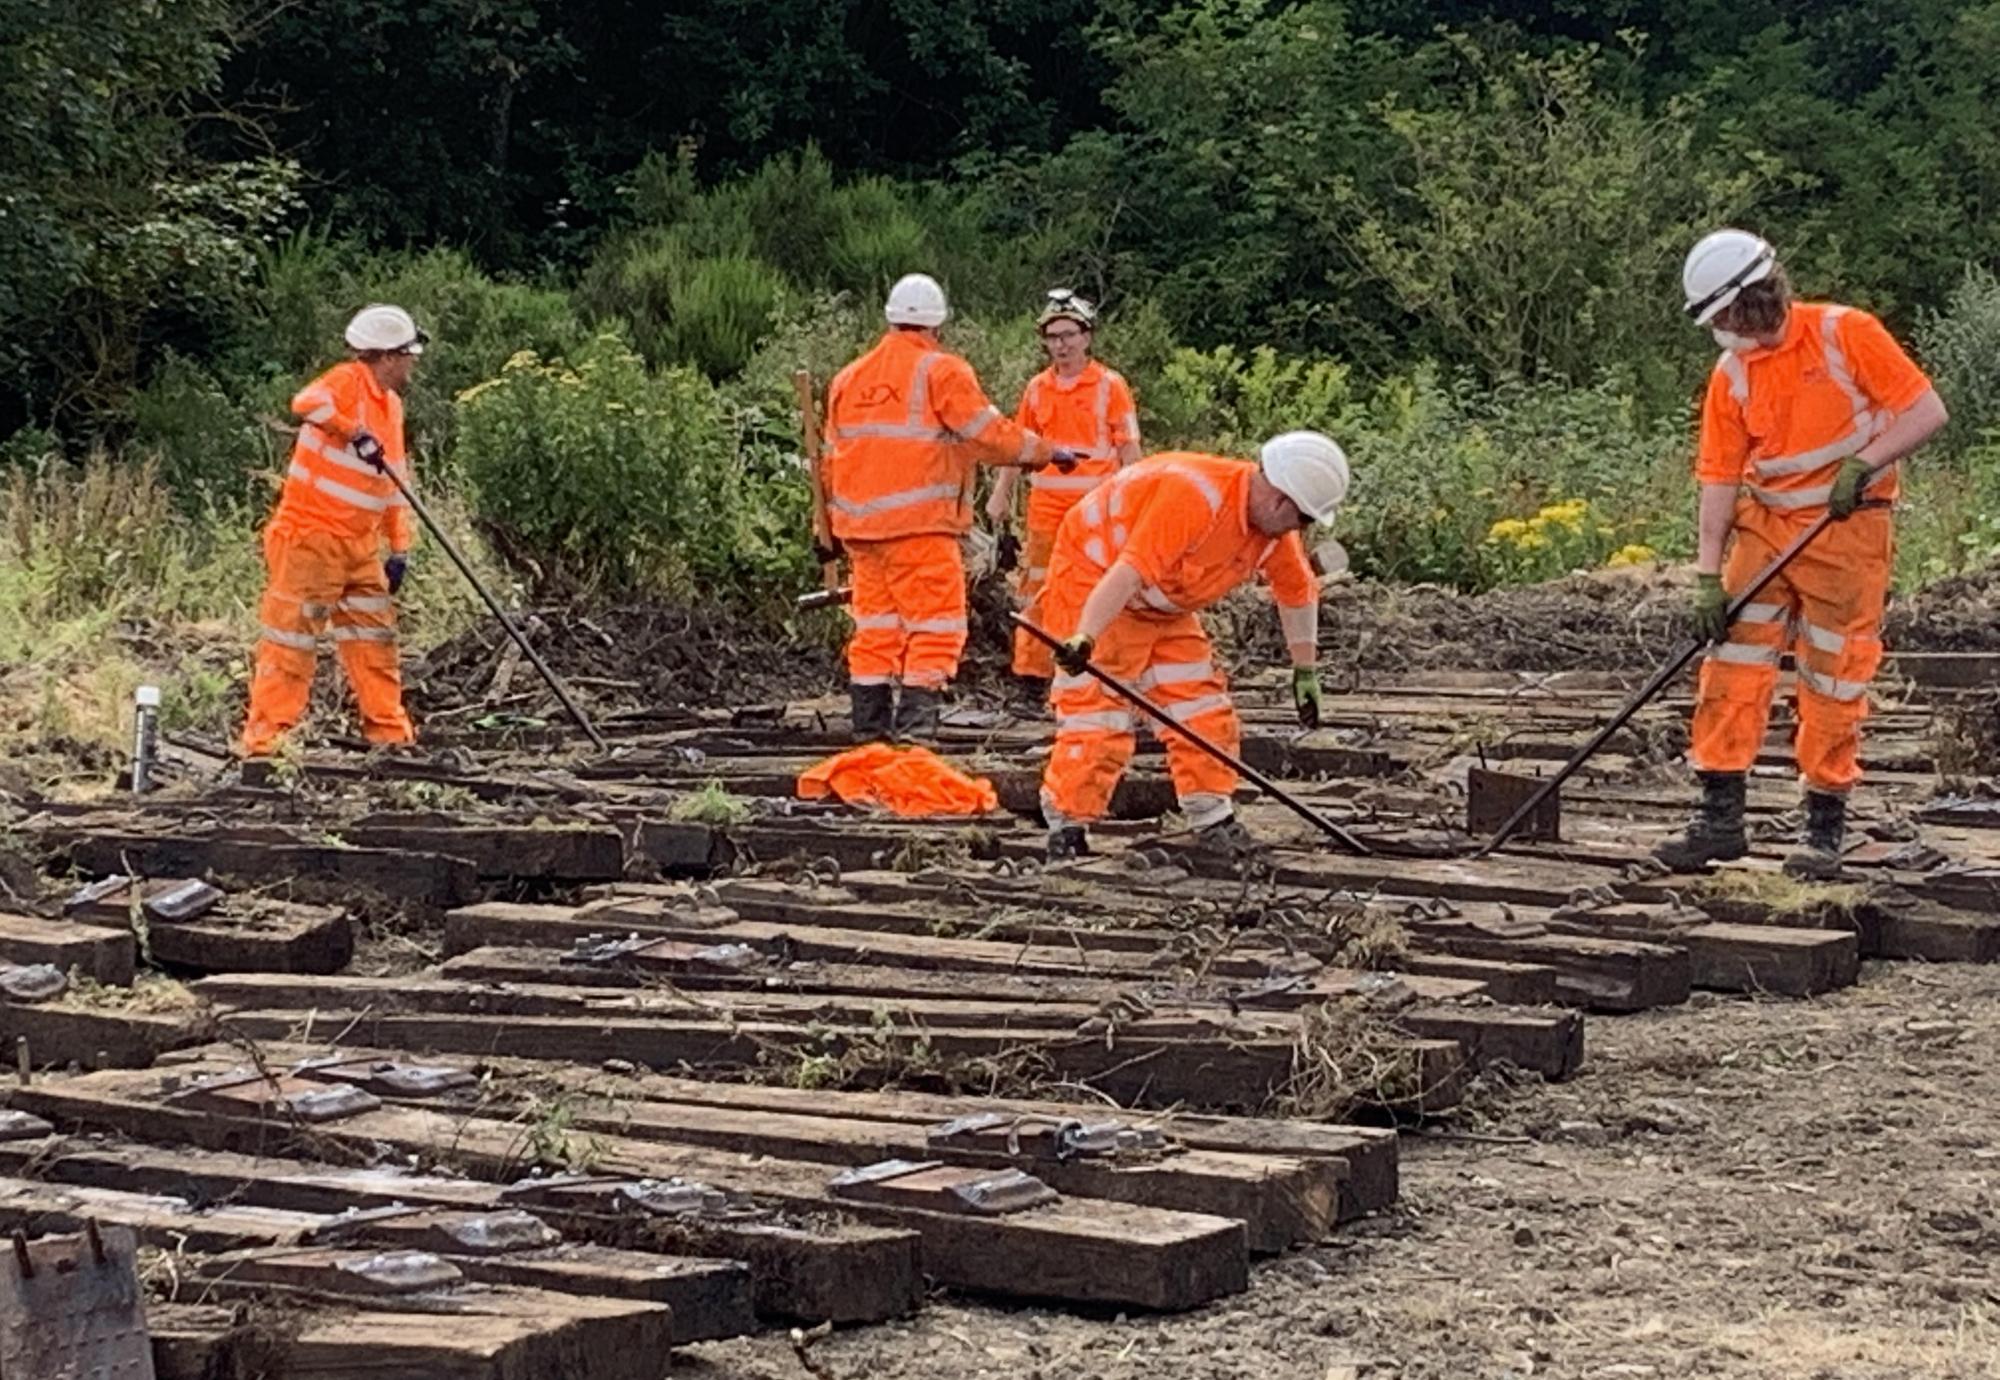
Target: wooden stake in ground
(802, 384)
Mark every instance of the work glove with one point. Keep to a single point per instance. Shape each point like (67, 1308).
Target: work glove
(395, 568)
(1009, 554)
(1063, 459)
(1848, 484)
(1074, 654)
(369, 451)
(1711, 608)
(828, 551)
(1307, 695)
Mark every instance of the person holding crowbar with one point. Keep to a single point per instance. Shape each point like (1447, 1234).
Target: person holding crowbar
(1807, 411)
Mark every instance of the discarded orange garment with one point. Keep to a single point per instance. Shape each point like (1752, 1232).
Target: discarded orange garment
(904, 781)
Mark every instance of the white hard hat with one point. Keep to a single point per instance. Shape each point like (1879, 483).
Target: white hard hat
(916, 300)
(1309, 469)
(385, 328)
(1720, 267)
(1065, 305)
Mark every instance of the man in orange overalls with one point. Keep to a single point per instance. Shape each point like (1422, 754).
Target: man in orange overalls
(1082, 405)
(324, 545)
(1806, 410)
(1133, 562)
(904, 425)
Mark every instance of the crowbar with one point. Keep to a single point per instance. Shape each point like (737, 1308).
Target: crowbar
(1236, 764)
(1685, 653)
(520, 640)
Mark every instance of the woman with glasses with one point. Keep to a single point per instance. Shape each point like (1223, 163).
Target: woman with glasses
(1081, 404)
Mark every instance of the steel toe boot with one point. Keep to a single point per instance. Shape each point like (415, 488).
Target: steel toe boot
(1817, 859)
(1227, 838)
(1716, 832)
(917, 715)
(873, 708)
(1068, 841)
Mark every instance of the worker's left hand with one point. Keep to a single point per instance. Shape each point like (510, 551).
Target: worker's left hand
(395, 568)
(1074, 654)
(1063, 459)
(1306, 694)
(1848, 484)
(368, 450)
(1009, 554)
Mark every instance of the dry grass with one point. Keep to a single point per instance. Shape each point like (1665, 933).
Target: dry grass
(1779, 894)
(150, 994)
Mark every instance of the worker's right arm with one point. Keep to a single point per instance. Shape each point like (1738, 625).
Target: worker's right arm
(331, 405)
(963, 408)
(1116, 588)
(1723, 451)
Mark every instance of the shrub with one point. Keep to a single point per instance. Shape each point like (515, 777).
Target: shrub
(683, 307)
(611, 478)
(209, 445)
(1220, 400)
(1961, 346)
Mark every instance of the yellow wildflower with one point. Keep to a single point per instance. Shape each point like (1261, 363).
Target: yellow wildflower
(1506, 529)
(1633, 553)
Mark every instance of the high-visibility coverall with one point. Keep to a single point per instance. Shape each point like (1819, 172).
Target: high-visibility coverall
(906, 423)
(1779, 421)
(1092, 415)
(323, 548)
(1182, 520)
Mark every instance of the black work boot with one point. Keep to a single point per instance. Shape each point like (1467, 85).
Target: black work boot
(1227, 838)
(1716, 832)
(1031, 695)
(873, 708)
(917, 715)
(1817, 859)
(1067, 841)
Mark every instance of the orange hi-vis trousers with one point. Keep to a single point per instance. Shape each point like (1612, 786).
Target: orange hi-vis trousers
(1828, 604)
(1032, 657)
(1167, 658)
(908, 610)
(321, 579)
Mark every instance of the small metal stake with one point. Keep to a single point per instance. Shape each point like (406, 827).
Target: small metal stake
(23, 1067)
(22, 1257)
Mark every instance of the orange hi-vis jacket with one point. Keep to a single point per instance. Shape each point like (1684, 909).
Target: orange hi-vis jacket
(905, 423)
(328, 488)
(1092, 415)
(1183, 522)
(1780, 420)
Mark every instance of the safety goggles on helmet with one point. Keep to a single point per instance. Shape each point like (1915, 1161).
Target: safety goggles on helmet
(1757, 268)
(1065, 305)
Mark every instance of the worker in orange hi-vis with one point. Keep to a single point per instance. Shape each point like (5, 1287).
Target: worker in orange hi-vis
(905, 424)
(1133, 562)
(1806, 410)
(324, 546)
(1081, 404)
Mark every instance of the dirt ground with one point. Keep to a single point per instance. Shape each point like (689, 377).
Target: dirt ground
(1773, 1189)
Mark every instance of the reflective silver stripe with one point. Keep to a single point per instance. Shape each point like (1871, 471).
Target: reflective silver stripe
(1201, 482)
(1051, 816)
(935, 625)
(1812, 459)
(871, 680)
(925, 680)
(876, 621)
(367, 603)
(981, 419)
(322, 413)
(1065, 681)
(313, 611)
(1204, 808)
(1300, 625)
(343, 456)
(349, 634)
(1117, 495)
(1057, 481)
(1027, 450)
(889, 502)
(1103, 413)
(1130, 425)
(1093, 547)
(1844, 690)
(1814, 497)
(1745, 654)
(366, 502)
(1194, 709)
(1038, 572)
(1156, 597)
(1836, 365)
(302, 642)
(1825, 639)
(1175, 673)
(1093, 512)
(1094, 720)
(1120, 535)
(1761, 613)
(920, 387)
(898, 431)
(1731, 365)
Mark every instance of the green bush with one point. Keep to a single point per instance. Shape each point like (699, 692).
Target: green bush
(210, 445)
(1961, 347)
(1222, 401)
(610, 478)
(681, 306)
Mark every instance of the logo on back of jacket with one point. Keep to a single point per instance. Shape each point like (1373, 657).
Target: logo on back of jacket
(876, 394)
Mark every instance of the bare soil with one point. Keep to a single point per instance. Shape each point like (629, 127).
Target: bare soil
(1770, 1189)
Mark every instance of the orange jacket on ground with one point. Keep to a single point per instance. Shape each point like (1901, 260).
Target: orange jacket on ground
(328, 488)
(905, 781)
(1781, 420)
(904, 425)
(1091, 414)
(1182, 520)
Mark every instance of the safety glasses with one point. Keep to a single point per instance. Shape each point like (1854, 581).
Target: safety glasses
(1734, 285)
